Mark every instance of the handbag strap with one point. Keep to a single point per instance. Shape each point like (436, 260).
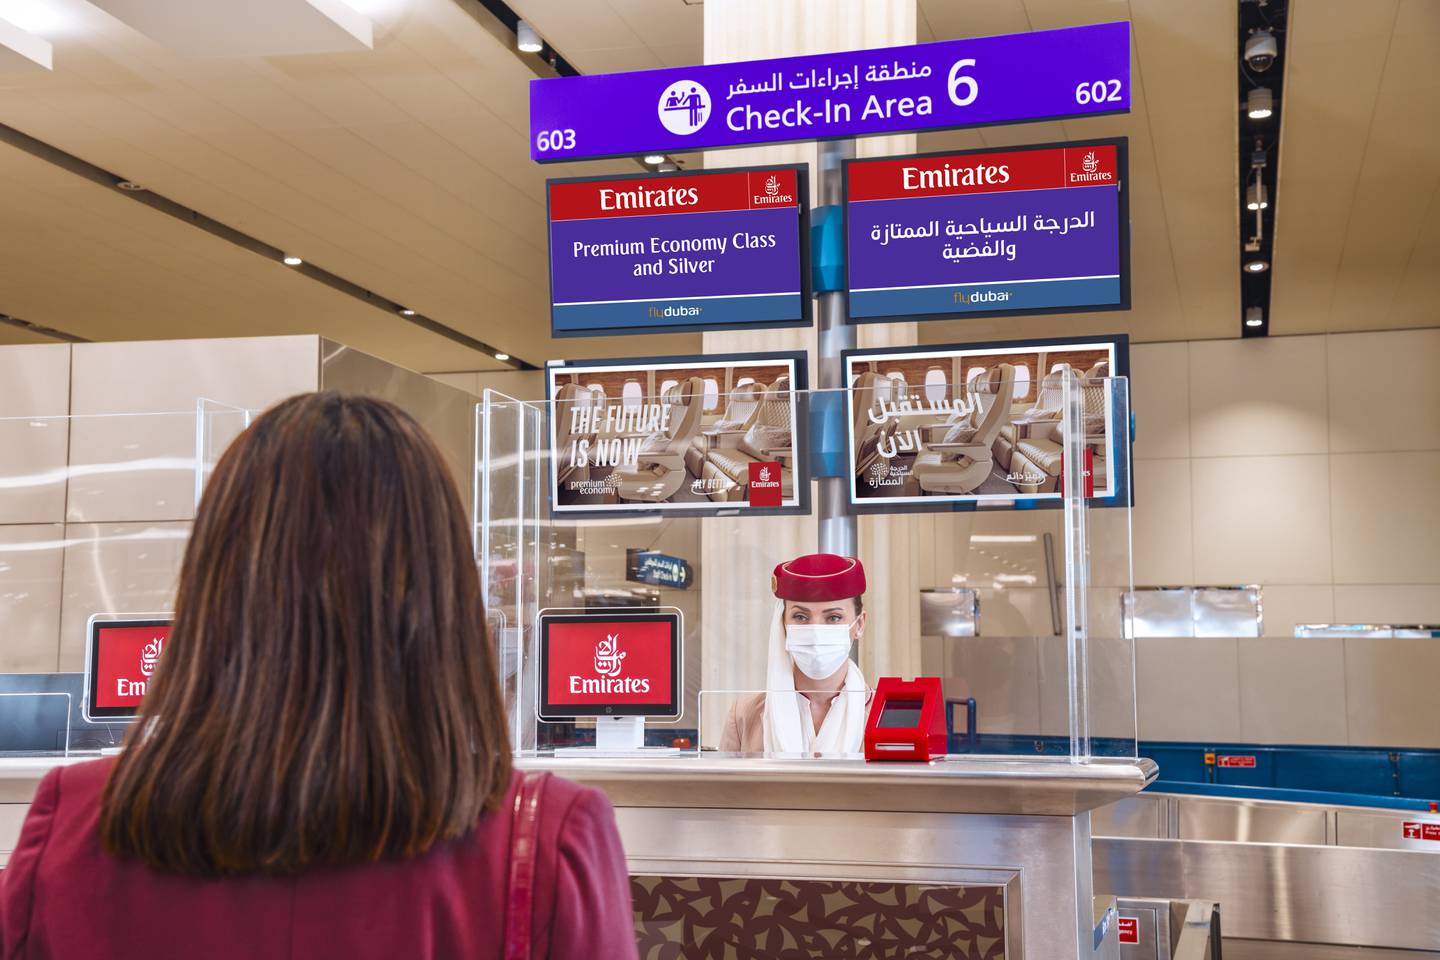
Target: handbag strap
(520, 905)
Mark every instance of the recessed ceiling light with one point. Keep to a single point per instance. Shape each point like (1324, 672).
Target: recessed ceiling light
(526, 39)
(406, 312)
(129, 185)
(292, 261)
(1260, 103)
(1256, 266)
(654, 159)
(502, 356)
(1254, 317)
(1256, 197)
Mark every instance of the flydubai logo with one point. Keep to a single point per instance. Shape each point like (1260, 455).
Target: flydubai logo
(684, 107)
(609, 664)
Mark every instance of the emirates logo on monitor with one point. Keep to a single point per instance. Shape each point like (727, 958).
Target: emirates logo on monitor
(150, 655)
(608, 656)
(609, 664)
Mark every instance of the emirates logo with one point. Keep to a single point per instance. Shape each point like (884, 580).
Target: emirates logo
(150, 656)
(608, 656)
(772, 186)
(1088, 163)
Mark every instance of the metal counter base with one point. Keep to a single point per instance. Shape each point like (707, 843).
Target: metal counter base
(955, 859)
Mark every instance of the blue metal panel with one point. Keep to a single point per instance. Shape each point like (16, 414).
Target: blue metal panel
(827, 249)
(828, 434)
(1262, 774)
(1419, 774)
(1337, 769)
(1178, 761)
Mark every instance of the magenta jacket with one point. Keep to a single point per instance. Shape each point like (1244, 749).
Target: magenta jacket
(63, 898)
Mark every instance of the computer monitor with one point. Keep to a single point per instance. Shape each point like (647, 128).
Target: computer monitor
(609, 664)
(120, 657)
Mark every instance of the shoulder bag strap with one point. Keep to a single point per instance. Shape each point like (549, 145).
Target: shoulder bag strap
(520, 904)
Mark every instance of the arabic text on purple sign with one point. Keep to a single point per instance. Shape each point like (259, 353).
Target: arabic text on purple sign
(1075, 71)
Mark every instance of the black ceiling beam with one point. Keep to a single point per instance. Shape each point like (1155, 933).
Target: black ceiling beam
(1259, 155)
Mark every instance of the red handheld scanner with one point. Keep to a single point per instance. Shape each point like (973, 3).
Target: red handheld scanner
(907, 720)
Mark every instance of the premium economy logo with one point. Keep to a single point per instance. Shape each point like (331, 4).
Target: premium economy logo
(609, 664)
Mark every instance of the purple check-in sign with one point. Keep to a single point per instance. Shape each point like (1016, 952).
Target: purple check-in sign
(1048, 74)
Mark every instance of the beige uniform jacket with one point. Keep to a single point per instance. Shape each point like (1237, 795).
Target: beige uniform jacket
(745, 727)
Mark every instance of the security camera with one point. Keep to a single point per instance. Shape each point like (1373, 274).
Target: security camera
(1261, 50)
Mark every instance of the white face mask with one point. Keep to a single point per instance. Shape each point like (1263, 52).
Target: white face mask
(818, 649)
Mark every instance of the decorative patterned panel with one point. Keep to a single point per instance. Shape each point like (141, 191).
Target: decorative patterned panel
(757, 918)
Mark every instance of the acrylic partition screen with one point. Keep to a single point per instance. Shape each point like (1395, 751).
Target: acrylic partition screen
(95, 512)
(978, 571)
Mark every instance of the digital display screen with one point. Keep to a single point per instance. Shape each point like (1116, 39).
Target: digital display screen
(671, 252)
(900, 714)
(609, 665)
(1042, 229)
(946, 427)
(694, 435)
(120, 661)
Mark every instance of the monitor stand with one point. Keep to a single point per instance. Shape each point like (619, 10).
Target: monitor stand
(618, 737)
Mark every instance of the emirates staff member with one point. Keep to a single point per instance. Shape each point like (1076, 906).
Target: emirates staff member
(815, 697)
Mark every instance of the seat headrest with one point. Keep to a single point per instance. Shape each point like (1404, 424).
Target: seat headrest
(690, 389)
(747, 392)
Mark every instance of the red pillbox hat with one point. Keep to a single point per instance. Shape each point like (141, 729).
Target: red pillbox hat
(818, 577)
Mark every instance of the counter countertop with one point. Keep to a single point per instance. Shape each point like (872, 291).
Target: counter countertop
(957, 784)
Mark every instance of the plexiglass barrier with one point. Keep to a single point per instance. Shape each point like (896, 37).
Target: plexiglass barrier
(1018, 504)
(95, 511)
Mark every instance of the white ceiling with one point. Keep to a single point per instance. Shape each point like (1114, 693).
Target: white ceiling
(405, 169)
(1357, 242)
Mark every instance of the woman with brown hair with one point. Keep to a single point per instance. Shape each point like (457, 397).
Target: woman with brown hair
(320, 767)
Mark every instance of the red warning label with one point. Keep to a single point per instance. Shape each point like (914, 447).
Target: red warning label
(1420, 830)
(1129, 930)
(1235, 761)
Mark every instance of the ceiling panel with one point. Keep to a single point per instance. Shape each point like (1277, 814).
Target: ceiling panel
(90, 261)
(1356, 242)
(406, 170)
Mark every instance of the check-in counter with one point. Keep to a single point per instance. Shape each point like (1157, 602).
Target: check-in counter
(955, 859)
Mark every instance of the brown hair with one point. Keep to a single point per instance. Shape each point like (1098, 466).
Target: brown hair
(328, 695)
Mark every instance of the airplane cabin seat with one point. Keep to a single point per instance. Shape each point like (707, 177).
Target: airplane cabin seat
(566, 399)
(961, 464)
(768, 436)
(732, 424)
(659, 470)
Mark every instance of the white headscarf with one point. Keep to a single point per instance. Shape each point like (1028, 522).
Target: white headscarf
(789, 725)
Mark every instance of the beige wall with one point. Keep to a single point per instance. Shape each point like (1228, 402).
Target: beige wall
(97, 466)
(1309, 465)
(517, 384)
